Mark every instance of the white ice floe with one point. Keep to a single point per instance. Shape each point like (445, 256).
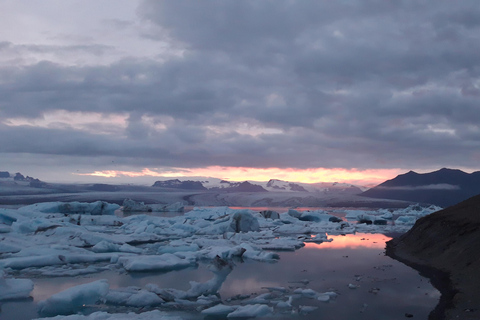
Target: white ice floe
(163, 262)
(151, 315)
(74, 299)
(133, 297)
(251, 311)
(130, 205)
(406, 220)
(94, 208)
(220, 310)
(14, 288)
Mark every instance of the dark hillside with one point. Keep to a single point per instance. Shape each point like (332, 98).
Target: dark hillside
(444, 187)
(449, 241)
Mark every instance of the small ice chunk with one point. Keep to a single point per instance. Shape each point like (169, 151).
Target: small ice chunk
(130, 205)
(306, 309)
(14, 288)
(277, 289)
(73, 299)
(143, 299)
(323, 297)
(353, 286)
(406, 220)
(243, 221)
(260, 299)
(220, 310)
(306, 292)
(163, 262)
(270, 214)
(251, 311)
(318, 216)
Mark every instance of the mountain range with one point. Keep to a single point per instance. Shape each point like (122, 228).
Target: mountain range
(444, 187)
(273, 185)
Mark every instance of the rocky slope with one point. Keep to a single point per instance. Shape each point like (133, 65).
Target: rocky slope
(447, 241)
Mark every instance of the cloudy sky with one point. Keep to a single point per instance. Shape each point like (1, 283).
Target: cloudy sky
(299, 90)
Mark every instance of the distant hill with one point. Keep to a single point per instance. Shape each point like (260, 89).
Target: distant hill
(444, 187)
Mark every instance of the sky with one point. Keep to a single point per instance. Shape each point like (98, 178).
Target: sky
(354, 91)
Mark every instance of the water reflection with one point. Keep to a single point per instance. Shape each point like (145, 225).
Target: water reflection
(352, 241)
(388, 288)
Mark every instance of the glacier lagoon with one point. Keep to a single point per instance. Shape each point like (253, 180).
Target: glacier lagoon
(350, 263)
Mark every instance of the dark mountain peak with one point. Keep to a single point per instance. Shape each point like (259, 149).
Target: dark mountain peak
(4, 174)
(450, 171)
(443, 187)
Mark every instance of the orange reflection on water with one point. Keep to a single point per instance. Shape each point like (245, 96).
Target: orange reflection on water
(352, 241)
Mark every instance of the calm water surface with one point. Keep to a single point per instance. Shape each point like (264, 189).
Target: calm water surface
(387, 289)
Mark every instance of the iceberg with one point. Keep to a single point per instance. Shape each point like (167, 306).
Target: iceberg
(251, 311)
(243, 221)
(220, 310)
(133, 297)
(73, 299)
(94, 208)
(150, 315)
(14, 288)
(163, 262)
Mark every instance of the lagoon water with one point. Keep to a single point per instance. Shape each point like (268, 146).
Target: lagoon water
(386, 288)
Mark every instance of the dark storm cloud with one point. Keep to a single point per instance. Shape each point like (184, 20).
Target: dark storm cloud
(343, 83)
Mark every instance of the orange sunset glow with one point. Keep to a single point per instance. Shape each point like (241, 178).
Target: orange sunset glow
(367, 177)
(352, 241)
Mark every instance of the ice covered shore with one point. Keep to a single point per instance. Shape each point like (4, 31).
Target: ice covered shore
(69, 239)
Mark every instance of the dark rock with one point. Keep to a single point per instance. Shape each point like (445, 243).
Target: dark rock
(380, 222)
(335, 219)
(19, 177)
(444, 245)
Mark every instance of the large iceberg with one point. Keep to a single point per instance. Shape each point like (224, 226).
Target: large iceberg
(74, 299)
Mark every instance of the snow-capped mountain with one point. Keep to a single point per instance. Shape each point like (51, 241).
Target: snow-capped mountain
(273, 185)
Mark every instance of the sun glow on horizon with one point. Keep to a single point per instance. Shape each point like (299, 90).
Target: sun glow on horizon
(366, 177)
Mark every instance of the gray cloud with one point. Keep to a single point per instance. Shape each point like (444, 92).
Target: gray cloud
(343, 84)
